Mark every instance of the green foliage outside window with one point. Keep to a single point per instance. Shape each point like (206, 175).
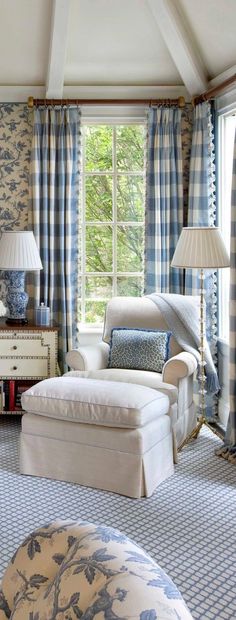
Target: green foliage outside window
(98, 191)
(113, 229)
(98, 153)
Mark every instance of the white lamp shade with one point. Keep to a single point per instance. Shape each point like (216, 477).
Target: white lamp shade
(200, 248)
(19, 252)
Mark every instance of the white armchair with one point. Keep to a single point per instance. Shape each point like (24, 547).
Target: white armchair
(176, 379)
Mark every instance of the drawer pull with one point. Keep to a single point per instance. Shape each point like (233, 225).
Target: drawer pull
(14, 368)
(15, 347)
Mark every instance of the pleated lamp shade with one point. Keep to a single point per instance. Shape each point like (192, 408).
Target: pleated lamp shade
(19, 252)
(200, 248)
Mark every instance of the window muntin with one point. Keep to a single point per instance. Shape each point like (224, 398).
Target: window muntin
(111, 216)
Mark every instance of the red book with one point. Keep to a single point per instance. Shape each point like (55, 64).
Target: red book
(11, 395)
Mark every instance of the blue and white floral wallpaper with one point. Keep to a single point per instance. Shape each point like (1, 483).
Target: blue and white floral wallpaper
(15, 145)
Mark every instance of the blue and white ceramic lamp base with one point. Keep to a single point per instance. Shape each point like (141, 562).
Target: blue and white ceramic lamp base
(17, 298)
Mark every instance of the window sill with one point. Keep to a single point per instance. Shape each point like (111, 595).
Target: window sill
(84, 329)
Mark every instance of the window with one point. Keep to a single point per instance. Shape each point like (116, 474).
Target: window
(227, 125)
(111, 216)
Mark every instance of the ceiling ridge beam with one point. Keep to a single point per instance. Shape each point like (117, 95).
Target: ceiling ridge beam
(180, 46)
(57, 48)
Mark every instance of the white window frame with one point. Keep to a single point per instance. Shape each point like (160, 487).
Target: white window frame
(119, 116)
(225, 137)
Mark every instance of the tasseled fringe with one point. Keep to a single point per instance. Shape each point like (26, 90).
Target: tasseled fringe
(227, 453)
(212, 383)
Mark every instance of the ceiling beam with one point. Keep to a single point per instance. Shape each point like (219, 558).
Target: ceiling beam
(57, 48)
(179, 44)
(221, 77)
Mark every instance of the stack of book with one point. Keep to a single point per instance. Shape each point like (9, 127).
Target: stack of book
(10, 394)
(2, 396)
(20, 389)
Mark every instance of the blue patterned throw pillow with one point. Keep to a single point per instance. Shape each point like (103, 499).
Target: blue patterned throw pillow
(139, 349)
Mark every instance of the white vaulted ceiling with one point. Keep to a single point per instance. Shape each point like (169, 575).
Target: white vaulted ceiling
(24, 40)
(89, 48)
(117, 43)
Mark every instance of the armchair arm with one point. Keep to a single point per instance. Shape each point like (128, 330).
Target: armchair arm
(179, 366)
(89, 357)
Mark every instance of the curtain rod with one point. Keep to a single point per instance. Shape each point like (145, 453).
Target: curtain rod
(180, 102)
(212, 92)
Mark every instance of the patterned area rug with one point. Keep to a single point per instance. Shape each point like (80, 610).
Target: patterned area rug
(188, 526)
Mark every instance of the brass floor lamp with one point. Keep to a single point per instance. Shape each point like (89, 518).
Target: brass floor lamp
(201, 248)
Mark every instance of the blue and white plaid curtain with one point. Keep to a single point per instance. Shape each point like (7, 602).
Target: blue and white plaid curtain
(229, 449)
(164, 201)
(202, 212)
(201, 206)
(54, 196)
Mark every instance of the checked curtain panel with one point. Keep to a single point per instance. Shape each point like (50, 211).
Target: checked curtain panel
(164, 200)
(202, 212)
(54, 196)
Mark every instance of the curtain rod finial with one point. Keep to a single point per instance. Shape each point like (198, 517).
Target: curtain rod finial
(181, 102)
(30, 102)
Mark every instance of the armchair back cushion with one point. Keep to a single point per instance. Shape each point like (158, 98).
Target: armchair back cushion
(140, 349)
(135, 312)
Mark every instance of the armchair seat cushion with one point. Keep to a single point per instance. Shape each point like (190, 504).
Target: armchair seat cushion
(141, 377)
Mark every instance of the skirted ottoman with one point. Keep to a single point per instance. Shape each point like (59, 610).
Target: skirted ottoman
(107, 435)
(75, 570)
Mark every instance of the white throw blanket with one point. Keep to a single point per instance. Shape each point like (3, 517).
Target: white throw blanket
(181, 313)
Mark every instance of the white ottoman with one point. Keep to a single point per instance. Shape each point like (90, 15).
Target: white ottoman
(103, 434)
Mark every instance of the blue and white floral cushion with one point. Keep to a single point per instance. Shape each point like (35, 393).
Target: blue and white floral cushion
(140, 349)
(69, 570)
